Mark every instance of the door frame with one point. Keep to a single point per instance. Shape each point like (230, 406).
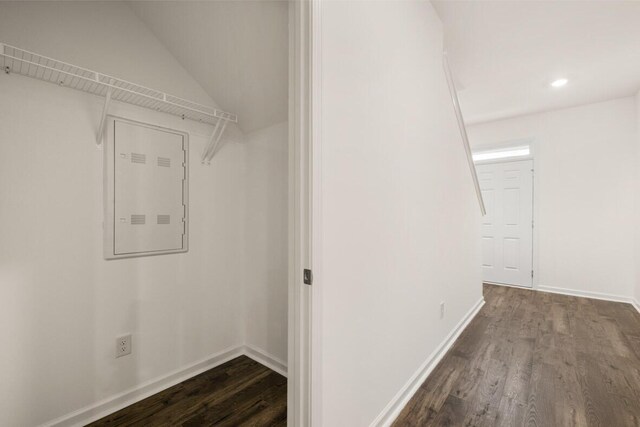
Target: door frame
(533, 146)
(304, 314)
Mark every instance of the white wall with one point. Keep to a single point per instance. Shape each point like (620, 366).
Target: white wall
(61, 304)
(585, 160)
(398, 206)
(250, 39)
(266, 240)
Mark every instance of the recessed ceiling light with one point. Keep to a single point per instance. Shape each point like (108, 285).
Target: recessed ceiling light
(559, 82)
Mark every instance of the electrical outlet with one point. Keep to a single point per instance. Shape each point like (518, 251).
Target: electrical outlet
(442, 310)
(123, 345)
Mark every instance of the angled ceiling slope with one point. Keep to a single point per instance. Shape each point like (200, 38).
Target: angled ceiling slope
(506, 53)
(237, 51)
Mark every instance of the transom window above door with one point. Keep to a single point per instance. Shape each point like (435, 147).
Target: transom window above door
(511, 152)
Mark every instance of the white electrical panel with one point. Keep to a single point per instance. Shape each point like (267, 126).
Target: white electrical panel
(146, 185)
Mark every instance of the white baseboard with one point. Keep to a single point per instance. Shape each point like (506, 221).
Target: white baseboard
(400, 400)
(266, 359)
(585, 294)
(577, 293)
(112, 404)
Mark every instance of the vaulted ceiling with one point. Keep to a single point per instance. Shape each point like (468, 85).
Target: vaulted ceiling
(506, 53)
(236, 50)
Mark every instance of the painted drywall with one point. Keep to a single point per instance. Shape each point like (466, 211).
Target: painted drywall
(506, 63)
(61, 304)
(398, 209)
(585, 160)
(266, 240)
(250, 37)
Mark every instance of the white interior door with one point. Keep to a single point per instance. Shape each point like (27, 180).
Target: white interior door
(507, 228)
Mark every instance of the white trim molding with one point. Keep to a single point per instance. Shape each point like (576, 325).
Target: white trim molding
(112, 404)
(265, 359)
(400, 400)
(304, 347)
(577, 293)
(584, 294)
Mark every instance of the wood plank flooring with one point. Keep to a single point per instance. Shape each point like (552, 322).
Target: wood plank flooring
(241, 392)
(536, 359)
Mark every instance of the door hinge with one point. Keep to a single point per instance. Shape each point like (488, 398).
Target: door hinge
(532, 274)
(532, 224)
(307, 276)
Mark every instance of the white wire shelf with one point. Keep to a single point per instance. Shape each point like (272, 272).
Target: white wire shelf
(23, 62)
(20, 61)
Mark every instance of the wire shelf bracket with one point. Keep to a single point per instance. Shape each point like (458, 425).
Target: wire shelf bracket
(25, 63)
(214, 141)
(103, 119)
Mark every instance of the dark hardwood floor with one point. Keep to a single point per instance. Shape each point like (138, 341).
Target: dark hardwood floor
(241, 392)
(536, 359)
(528, 358)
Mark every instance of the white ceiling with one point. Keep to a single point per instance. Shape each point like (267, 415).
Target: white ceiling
(505, 53)
(237, 51)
